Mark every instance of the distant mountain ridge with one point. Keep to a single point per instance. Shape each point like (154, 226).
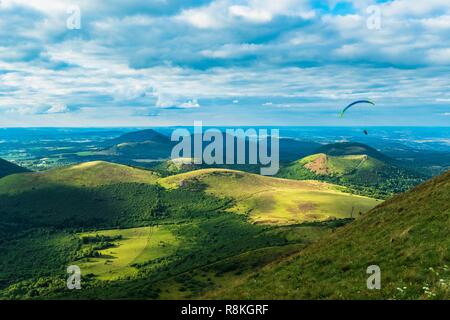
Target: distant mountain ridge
(150, 144)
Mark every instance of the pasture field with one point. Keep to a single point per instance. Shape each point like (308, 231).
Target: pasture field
(131, 246)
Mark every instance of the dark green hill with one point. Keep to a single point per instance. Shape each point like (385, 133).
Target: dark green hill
(406, 236)
(7, 168)
(292, 149)
(354, 165)
(352, 148)
(141, 145)
(139, 136)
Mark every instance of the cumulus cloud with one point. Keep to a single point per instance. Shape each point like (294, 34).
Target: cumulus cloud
(138, 57)
(190, 104)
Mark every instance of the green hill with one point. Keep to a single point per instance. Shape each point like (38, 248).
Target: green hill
(406, 236)
(88, 174)
(138, 145)
(7, 168)
(91, 194)
(369, 173)
(274, 200)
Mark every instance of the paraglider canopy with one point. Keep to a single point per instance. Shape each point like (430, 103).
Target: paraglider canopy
(355, 103)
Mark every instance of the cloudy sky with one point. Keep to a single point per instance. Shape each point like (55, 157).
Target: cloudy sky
(223, 62)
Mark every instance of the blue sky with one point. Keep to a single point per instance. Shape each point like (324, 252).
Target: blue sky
(224, 62)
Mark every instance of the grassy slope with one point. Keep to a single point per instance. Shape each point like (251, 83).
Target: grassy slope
(274, 200)
(407, 236)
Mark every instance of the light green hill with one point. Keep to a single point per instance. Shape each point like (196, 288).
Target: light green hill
(89, 174)
(275, 200)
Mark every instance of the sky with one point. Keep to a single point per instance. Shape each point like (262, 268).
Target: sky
(94, 63)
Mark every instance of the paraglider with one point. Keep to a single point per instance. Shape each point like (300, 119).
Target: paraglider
(353, 104)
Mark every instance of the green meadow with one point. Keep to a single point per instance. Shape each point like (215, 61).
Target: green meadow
(114, 259)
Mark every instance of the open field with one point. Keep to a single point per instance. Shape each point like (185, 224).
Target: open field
(135, 245)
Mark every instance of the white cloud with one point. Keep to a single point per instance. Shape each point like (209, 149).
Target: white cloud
(251, 14)
(441, 22)
(232, 50)
(207, 17)
(190, 104)
(222, 13)
(439, 56)
(58, 108)
(128, 57)
(262, 11)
